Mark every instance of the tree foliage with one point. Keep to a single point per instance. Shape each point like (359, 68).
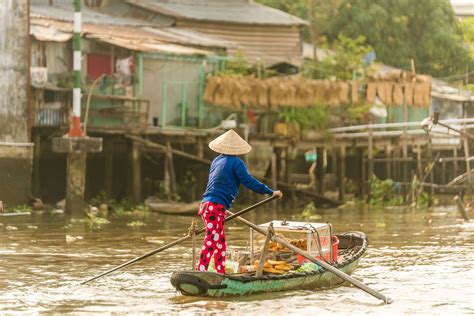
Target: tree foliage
(344, 62)
(424, 30)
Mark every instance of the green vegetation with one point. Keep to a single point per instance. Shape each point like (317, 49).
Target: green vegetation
(119, 208)
(311, 117)
(19, 209)
(424, 30)
(136, 224)
(239, 66)
(344, 63)
(382, 193)
(309, 212)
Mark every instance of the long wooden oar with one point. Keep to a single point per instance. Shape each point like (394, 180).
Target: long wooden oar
(177, 241)
(323, 264)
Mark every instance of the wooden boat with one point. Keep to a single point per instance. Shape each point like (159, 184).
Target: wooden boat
(172, 207)
(352, 246)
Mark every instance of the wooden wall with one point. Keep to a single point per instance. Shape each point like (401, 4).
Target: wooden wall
(270, 44)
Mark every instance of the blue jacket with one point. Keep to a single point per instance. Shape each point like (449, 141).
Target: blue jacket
(226, 175)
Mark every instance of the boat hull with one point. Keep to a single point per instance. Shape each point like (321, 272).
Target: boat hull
(216, 285)
(173, 208)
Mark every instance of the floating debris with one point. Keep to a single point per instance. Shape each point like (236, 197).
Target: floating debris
(11, 228)
(154, 240)
(57, 211)
(32, 227)
(70, 238)
(136, 224)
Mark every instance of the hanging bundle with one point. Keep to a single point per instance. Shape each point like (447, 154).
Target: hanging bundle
(398, 94)
(211, 86)
(409, 91)
(371, 92)
(343, 93)
(422, 94)
(384, 90)
(354, 92)
(262, 93)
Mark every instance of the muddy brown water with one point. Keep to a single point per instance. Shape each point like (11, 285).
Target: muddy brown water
(422, 259)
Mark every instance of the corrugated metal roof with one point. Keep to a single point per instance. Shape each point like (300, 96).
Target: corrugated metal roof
(66, 13)
(147, 46)
(54, 23)
(186, 36)
(130, 37)
(220, 11)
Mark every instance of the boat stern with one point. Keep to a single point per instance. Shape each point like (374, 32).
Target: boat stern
(196, 283)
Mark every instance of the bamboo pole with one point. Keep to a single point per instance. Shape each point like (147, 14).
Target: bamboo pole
(274, 175)
(461, 208)
(264, 251)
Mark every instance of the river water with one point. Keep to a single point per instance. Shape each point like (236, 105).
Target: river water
(422, 259)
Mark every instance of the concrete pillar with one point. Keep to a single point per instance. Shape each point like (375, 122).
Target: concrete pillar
(75, 183)
(16, 151)
(76, 148)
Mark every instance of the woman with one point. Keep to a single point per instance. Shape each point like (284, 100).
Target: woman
(226, 174)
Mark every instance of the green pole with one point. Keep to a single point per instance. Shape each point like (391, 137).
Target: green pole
(75, 128)
(201, 93)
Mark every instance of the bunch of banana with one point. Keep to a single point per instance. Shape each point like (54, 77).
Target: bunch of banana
(274, 246)
(272, 266)
(300, 243)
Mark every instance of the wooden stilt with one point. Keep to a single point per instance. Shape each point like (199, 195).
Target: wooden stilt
(430, 154)
(108, 168)
(342, 172)
(136, 173)
(320, 170)
(199, 148)
(171, 170)
(468, 168)
(455, 163)
(370, 154)
(36, 165)
(461, 208)
(363, 174)
(166, 179)
(388, 163)
(419, 162)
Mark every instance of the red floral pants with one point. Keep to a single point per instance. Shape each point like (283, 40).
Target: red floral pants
(214, 244)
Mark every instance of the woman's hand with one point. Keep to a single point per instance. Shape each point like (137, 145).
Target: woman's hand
(278, 194)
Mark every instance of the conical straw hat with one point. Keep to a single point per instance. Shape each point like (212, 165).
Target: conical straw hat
(230, 143)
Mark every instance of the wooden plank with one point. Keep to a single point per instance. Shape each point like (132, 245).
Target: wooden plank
(164, 149)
